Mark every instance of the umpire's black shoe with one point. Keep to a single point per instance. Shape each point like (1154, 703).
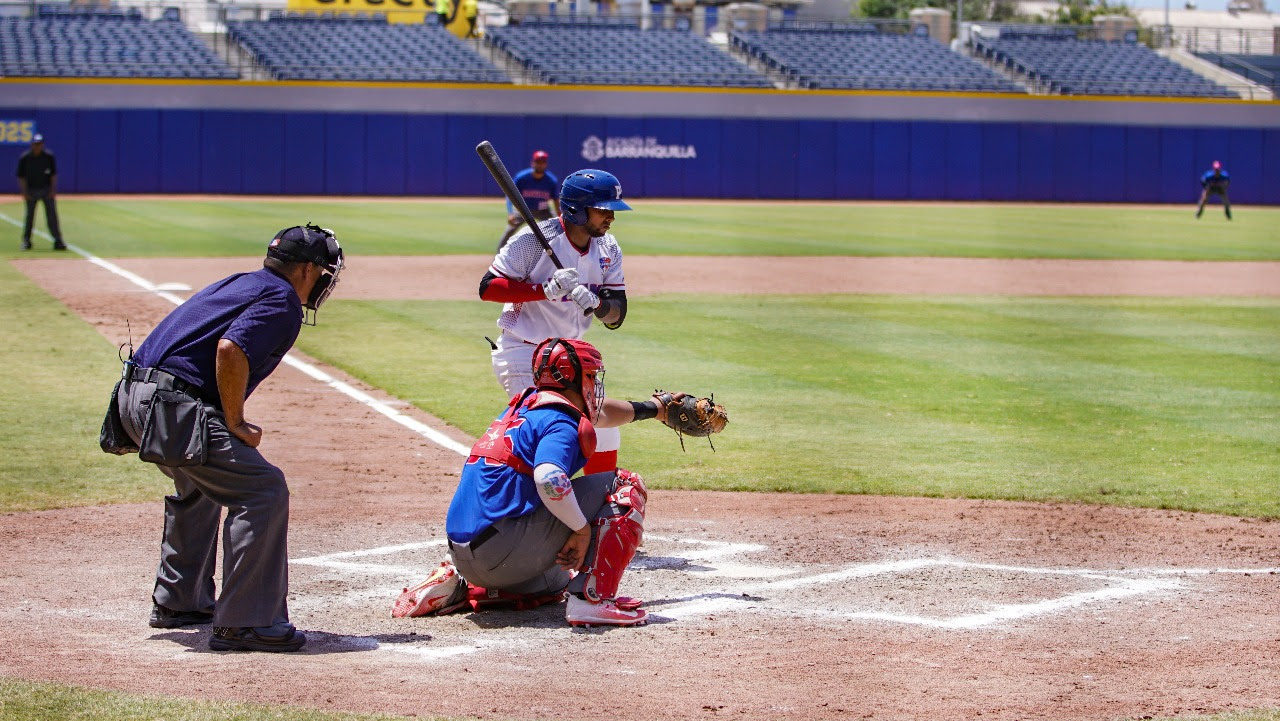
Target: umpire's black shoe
(59, 245)
(281, 637)
(162, 617)
(26, 245)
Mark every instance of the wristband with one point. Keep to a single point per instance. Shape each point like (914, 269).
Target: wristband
(644, 411)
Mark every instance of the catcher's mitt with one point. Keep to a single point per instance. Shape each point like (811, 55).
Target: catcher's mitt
(692, 416)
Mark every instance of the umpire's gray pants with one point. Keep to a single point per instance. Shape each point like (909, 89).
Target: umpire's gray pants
(521, 558)
(50, 214)
(255, 564)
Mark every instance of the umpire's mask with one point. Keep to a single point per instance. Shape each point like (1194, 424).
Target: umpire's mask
(311, 244)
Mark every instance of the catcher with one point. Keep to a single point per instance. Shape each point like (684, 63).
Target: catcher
(522, 533)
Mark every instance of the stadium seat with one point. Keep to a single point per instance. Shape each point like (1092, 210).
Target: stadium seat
(366, 51)
(572, 53)
(113, 44)
(860, 57)
(1093, 67)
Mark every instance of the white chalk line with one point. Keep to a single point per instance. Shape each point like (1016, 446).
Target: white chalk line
(346, 389)
(758, 597)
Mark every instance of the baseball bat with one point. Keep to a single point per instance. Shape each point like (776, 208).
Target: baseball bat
(490, 158)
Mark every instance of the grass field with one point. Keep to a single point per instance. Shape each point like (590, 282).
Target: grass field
(240, 226)
(1168, 403)
(1171, 403)
(51, 702)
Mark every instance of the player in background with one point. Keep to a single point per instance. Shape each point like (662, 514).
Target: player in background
(541, 302)
(1214, 182)
(540, 190)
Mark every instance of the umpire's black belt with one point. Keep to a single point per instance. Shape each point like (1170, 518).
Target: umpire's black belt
(169, 382)
(478, 539)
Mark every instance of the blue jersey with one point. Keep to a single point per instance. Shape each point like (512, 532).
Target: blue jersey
(1209, 180)
(537, 192)
(259, 311)
(489, 491)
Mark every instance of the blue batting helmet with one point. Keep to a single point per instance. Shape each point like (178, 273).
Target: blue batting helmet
(590, 189)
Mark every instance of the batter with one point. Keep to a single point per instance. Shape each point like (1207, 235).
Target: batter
(541, 302)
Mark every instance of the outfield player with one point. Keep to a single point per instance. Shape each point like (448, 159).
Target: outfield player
(540, 302)
(1214, 182)
(540, 190)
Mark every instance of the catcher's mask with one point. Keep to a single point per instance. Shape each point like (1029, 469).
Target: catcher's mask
(311, 244)
(590, 189)
(562, 363)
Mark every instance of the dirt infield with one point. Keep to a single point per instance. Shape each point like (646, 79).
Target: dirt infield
(764, 606)
(453, 277)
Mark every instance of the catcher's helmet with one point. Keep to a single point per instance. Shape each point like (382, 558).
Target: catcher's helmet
(590, 189)
(566, 363)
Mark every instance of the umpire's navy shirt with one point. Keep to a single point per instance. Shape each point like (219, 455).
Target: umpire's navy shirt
(258, 311)
(37, 170)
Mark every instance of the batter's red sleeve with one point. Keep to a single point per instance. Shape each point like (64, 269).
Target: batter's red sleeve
(504, 290)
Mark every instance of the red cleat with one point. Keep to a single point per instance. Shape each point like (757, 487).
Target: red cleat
(436, 595)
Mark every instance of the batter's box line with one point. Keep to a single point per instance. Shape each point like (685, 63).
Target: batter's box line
(703, 550)
(749, 598)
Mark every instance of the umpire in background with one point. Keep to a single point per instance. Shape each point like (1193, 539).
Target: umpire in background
(1214, 182)
(181, 402)
(38, 181)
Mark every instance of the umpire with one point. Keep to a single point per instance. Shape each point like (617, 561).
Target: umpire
(38, 181)
(181, 402)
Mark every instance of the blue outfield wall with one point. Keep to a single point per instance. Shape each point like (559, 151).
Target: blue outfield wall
(350, 153)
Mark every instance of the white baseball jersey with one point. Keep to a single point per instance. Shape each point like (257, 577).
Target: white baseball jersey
(523, 259)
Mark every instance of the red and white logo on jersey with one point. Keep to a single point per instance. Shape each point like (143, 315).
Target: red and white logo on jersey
(604, 263)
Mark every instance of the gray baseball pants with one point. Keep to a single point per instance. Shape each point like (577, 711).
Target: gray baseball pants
(255, 564)
(521, 558)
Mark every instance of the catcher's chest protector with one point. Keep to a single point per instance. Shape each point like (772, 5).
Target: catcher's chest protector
(495, 445)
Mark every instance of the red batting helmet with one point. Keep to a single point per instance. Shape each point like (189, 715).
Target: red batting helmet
(540, 155)
(566, 363)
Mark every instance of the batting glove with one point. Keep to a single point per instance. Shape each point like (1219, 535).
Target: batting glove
(585, 299)
(561, 282)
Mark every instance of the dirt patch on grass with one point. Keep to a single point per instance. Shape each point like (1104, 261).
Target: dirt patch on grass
(457, 277)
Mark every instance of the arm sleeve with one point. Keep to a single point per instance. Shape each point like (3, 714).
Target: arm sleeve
(556, 491)
(616, 298)
(504, 290)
